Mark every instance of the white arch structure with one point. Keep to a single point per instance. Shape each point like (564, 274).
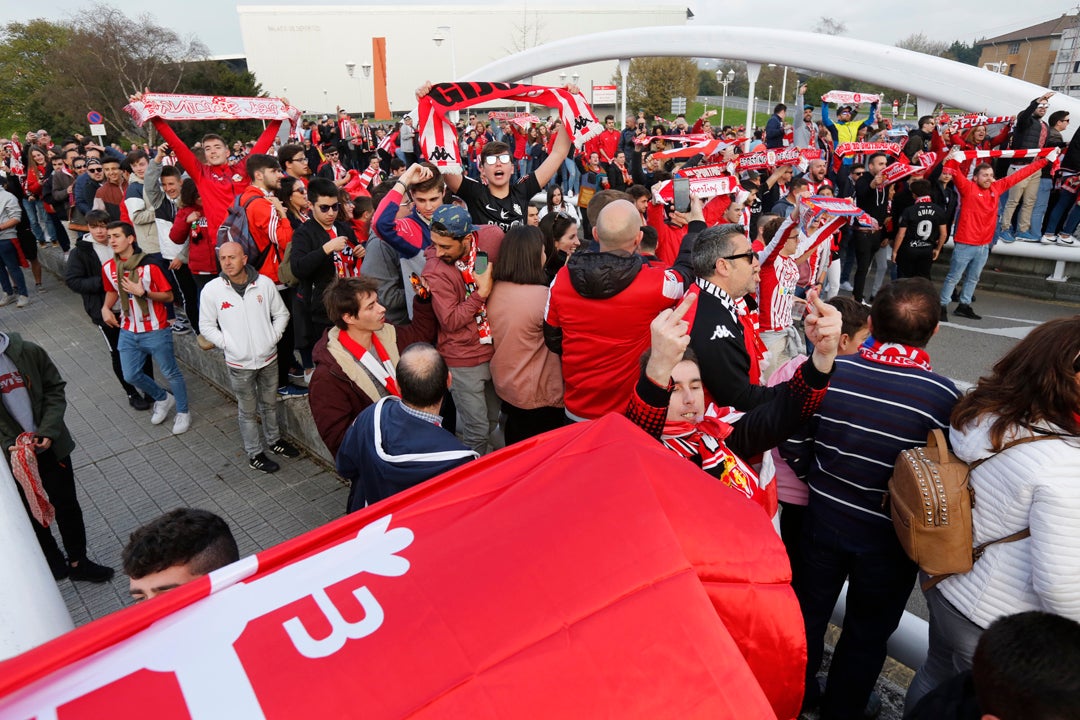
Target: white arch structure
(930, 79)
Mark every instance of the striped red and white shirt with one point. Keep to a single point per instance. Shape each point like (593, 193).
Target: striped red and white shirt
(152, 280)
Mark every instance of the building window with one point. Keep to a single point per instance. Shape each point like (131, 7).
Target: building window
(1076, 67)
(1014, 48)
(1012, 69)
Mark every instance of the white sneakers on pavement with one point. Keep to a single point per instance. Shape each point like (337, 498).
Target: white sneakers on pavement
(22, 302)
(161, 410)
(7, 299)
(181, 423)
(1065, 239)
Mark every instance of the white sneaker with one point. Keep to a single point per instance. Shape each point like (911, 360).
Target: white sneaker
(181, 423)
(1063, 239)
(847, 286)
(161, 409)
(7, 300)
(1048, 239)
(22, 302)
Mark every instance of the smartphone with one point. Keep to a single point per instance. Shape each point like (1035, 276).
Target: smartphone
(481, 265)
(681, 190)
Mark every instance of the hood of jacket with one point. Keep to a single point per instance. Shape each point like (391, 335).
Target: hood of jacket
(252, 275)
(972, 442)
(601, 275)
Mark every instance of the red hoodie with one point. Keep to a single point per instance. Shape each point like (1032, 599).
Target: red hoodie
(218, 184)
(978, 220)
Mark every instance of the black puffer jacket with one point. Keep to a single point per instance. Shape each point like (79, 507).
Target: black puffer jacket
(83, 275)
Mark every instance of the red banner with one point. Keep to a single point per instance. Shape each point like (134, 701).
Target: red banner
(588, 572)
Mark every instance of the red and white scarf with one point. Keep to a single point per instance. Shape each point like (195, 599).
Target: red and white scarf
(863, 148)
(381, 368)
(691, 138)
(25, 469)
(895, 354)
(438, 139)
(466, 267)
(966, 122)
(345, 262)
(168, 106)
(843, 97)
(1022, 153)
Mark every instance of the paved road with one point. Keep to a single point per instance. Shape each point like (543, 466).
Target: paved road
(129, 471)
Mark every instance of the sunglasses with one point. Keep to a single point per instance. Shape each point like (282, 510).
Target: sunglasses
(332, 154)
(95, 169)
(501, 158)
(749, 255)
(79, 167)
(300, 191)
(328, 208)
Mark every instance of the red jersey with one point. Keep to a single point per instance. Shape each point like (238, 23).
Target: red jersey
(152, 280)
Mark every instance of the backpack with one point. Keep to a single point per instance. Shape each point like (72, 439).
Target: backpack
(931, 500)
(235, 229)
(284, 271)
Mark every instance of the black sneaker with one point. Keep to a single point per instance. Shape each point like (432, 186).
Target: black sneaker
(139, 402)
(263, 464)
(90, 571)
(944, 313)
(966, 311)
(59, 566)
(283, 448)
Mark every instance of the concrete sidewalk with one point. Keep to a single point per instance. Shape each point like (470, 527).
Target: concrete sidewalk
(129, 471)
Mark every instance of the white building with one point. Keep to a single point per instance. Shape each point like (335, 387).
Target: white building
(1065, 72)
(301, 52)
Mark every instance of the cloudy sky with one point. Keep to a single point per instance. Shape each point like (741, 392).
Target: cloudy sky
(215, 21)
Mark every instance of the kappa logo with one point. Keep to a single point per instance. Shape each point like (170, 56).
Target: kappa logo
(439, 154)
(721, 332)
(580, 123)
(225, 305)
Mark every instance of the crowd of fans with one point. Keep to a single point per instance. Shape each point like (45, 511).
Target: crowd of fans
(431, 317)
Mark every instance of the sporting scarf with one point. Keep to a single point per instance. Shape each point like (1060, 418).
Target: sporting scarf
(708, 148)
(703, 187)
(898, 171)
(521, 119)
(1023, 153)
(466, 269)
(389, 144)
(769, 159)
(438, 139)
(380, 367)
(345, 262)
(130, 267)
(705, 439)
(862, 148)
(693, 137)
(895, 354)
(24, 467)
(966, 122)
(752, 342)
(839, 207)
(168, 106)
(843, 97)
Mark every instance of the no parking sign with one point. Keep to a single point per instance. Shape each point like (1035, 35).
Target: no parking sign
(97, 123)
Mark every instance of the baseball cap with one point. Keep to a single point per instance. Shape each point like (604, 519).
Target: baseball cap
(808, 106)
(454, 220)
(92, 162)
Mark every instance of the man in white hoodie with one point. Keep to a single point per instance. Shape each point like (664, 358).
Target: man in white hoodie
(243, 314)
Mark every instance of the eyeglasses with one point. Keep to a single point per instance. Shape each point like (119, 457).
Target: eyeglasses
(749, 255)
(298, 158)
(328, 208)
(492, 159)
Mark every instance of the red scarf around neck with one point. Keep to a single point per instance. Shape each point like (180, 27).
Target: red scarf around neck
(895, 354)
(383, 370)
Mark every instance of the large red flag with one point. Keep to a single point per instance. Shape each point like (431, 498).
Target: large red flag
(585, 573)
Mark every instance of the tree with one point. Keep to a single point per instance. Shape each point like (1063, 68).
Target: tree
(830, 26)
(707, 83)
(918, 42)
(25, 50)
(962, 52)
(216, 78)
(654, 81)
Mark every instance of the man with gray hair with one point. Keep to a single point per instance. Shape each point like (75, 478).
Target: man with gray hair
(400, 442)
(600, 306)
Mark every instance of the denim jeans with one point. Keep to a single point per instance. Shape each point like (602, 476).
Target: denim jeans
(971, 258)
(573, 177)
(256, 389)
(953, 638)
(1065, 202)
(1039, 211)
(477, 406)
(39, 224)
(11, 270)
(158, 344)
(879, 583)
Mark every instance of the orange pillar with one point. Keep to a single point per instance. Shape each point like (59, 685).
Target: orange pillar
(378, 59)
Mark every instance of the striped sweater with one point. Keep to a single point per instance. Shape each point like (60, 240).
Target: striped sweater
(846, 454)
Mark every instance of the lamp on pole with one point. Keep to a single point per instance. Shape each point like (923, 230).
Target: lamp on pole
(574, 78)
(769, 106)
(753, 69)
(562, 78)
(446, 32)
(725, 80)
(783, 87)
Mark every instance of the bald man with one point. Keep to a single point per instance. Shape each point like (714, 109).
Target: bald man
(600, 306)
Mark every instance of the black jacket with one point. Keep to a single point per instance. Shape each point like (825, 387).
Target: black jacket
(314, 268)
(83, 275)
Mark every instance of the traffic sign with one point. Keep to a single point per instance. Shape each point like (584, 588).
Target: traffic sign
(98, 130)
(94, 118)
(678, 105)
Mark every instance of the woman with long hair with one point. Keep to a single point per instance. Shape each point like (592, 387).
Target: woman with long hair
(527, 376)
(557, 202)
(37, 169)
(1032, 395)
(293, 195)
(560, 233)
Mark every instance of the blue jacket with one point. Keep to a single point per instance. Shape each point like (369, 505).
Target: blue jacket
(387, 450)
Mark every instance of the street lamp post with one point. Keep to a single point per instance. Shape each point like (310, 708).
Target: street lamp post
(725, 80)
(753, 69)
(446, 32)
(769, 106)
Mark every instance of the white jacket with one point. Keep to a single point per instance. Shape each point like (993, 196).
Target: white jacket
(1036, 486)
(247, 328)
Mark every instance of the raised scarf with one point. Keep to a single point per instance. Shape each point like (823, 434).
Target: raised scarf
(844, 97)
(438, 138)
(466, 269)
(381, 368)
(895, 354)
(130, 267)
(169, 106)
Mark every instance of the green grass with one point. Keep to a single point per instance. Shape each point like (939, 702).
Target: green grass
(731, 116)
